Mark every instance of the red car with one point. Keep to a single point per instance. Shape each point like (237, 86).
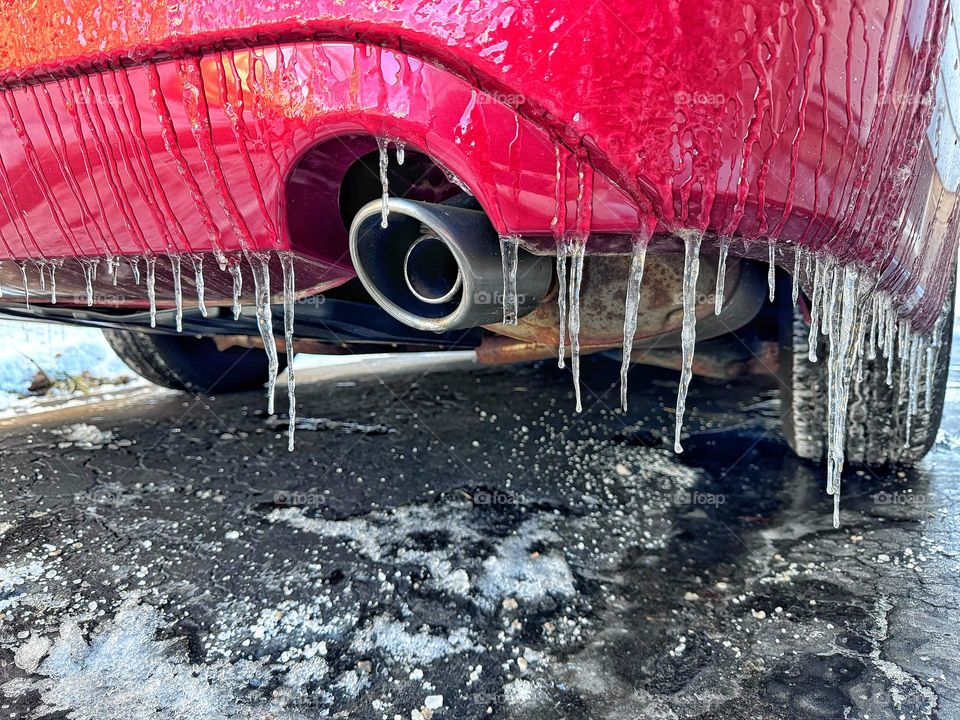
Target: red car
(497, 175)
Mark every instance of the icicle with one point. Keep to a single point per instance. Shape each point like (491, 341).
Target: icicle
(576, 277)
(260, 264)
(26, 284)
(844, 330)
(903, 341)
(833, 289)
(113, 265)
(89, 274)
(135, 269)
(152, 288)
(54, 265)
(815, 303)
(874, 322)
(198, 281)
(860, 357)
(890, 344)
(630, 314)
(289, 293)
(509, 245)
(562, 299)
(721, 275)
(234, 268)
(795, 289)
(933, 355)
(771, 269)
(401, 151)
(1, 285)
(913, 384)
(691, 271)
(382, 144)
(40, 272)
(177, 289)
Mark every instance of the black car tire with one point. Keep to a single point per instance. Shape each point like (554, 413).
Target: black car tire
(190, 363)
(876, 412)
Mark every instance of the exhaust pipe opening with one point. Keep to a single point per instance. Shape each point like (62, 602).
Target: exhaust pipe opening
(438, 267)
(431, 270)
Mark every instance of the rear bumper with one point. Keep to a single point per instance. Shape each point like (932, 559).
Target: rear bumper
(832, 130)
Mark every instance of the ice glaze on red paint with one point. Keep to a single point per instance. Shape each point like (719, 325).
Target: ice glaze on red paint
(824, 123)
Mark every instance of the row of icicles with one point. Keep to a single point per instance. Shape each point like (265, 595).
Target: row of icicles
(857, 320)
(259, 262)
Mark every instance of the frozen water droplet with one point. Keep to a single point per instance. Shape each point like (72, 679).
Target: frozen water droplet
(721, 275)
(509, 247)
(382, 144)
(688, 333)
(579, 247)
(631, 305)
(401, 151)
(152, 288)
(260, 265)
(289, 294)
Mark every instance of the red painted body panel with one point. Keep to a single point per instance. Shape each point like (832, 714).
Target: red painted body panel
(825, 123)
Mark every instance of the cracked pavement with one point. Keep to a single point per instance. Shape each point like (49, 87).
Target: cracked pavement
(460, 544)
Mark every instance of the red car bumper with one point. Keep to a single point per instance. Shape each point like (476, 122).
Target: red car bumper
(175, 128)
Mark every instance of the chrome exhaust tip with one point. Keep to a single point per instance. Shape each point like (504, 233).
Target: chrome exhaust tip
(438, 267)
(431, 270)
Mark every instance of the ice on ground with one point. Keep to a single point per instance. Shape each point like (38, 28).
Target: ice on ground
(29, 655)
(524, 694)
(124, 671)
(317, 424)
(403, 644)
(377, 534)
(83, 435)
(11, 580)
(517, 570)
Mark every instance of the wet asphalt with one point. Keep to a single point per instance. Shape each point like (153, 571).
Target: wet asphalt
(458, 543)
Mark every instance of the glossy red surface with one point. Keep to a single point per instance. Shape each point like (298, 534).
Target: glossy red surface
(150, 127)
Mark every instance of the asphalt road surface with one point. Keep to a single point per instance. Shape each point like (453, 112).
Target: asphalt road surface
(458, 543)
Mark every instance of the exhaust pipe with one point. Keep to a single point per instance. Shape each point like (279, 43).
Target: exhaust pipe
(438, 267)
